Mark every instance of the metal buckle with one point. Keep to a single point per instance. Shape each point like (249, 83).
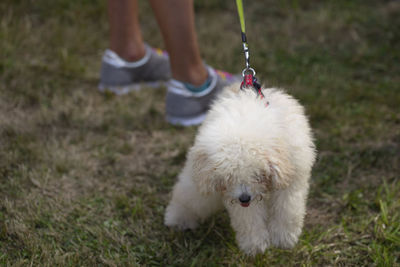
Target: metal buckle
(253, 72)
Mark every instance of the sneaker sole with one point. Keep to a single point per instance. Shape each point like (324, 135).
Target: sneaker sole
(187, 121)
(125, 89)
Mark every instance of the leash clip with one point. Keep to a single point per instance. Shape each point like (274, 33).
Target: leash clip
(247, 70)
(250, 80)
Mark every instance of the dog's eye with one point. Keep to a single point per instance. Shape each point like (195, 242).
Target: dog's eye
(259, 179)
(220, 186)
(263, 180)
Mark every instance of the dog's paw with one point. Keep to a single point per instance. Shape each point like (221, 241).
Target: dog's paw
(284, 239)
(179, 217)
(255, 244)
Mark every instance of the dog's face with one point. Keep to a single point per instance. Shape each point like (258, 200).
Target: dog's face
(241, 178)
(249, 187)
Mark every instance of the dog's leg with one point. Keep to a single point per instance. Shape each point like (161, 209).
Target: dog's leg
(250, 226)
(286, 214)
(188, 207)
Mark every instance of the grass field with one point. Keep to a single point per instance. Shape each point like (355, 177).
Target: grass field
(85, 177)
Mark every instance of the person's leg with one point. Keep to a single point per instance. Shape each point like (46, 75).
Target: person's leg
(194, 85)
(176, 21)
(130, 63)
(125, 35)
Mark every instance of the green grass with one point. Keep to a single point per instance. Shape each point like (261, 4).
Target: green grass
(85, 177)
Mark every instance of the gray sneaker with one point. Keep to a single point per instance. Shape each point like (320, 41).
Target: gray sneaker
(187, 108)
(121, 77)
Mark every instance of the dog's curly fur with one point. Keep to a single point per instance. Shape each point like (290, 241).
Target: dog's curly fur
(248, 146)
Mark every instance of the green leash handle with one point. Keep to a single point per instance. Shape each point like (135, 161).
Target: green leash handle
(239, 4)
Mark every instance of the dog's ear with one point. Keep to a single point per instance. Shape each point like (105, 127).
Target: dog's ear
(203, 172)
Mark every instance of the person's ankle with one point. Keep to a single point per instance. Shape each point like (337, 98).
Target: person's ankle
(130, 54)
(198, 88)
(195, 76)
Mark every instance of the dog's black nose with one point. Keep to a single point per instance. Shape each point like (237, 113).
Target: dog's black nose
(244, 198)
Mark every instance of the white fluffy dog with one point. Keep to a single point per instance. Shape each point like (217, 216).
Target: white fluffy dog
(252, 156)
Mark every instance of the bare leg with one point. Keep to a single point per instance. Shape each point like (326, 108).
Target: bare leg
(125, 35)
(176, 20)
